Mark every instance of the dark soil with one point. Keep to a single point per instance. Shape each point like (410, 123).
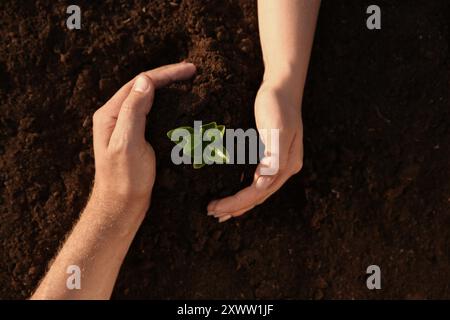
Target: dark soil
(375, 188)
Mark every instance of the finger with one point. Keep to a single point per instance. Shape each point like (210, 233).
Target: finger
(250, 196)
(130, 125)
(278, 158)
(225, 218)
(161, 76)
(277, 145)
(242, 199)
(295, 163)
(165, 75)
(234, 214)
(262, 183)
(294, 166)
(102, 126)
(106, 116)
(245, 198)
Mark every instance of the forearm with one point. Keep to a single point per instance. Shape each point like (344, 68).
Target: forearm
(97, 245)
(286, 30)
(124, 178)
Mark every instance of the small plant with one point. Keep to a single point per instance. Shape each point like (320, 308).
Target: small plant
(202, 142)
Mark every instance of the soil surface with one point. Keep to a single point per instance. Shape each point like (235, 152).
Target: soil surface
(375, 187)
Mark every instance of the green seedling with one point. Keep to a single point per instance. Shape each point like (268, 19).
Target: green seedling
(202, 141)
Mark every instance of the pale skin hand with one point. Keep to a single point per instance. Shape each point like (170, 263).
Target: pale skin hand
(124, 177)
(286, 30)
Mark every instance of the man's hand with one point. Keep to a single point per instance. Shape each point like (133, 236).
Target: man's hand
(124, 160)
(124, 176)
(275, 108)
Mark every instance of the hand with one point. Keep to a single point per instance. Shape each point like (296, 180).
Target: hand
(275, 108)
(124, 160)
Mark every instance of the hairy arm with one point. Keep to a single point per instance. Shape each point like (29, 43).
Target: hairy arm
(97, 245)
(124, 178)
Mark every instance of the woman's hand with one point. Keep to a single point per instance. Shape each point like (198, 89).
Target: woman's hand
(275, 109)
(286, 30)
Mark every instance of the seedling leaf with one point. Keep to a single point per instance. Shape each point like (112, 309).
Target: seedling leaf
(194, 140)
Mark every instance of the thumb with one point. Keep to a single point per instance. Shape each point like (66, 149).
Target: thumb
(130, 125)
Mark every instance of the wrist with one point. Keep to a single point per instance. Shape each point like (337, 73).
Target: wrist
(284, 72)
(287, 80)
(286, 87)
(121, 211)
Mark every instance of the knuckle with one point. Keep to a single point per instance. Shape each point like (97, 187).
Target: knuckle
(112, 153)
(238, 198)
(97, 116)
(100, 119)
(119, 149)
(298, 166)
(128, 106)
(150, 81)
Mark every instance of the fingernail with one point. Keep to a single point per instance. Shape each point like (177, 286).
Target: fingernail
(141, 84)
(211, 213)
(190, 64)
(263, 182)
(225, 218)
